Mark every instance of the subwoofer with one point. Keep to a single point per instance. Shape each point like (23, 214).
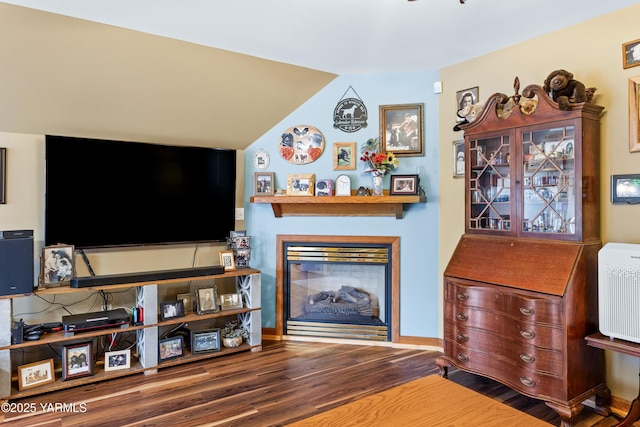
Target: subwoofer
(16, 262)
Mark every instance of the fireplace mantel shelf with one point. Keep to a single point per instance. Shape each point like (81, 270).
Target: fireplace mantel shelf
(338, 205)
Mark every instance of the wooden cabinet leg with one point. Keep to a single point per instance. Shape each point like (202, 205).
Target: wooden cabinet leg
(566, 412)
(443, 364)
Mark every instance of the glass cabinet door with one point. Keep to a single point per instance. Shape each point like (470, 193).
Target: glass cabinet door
(548, 184)
(489, 183)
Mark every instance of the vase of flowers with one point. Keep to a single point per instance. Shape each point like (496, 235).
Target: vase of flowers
(377, 162)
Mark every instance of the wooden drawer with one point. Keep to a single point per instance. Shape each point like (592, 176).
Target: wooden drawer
(533, 334)
(520, 305)
(524, 356)
(526, 381)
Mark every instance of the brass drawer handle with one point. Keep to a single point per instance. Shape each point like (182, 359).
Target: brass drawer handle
(462, 337)
(462, 297)
(527, 334)
(527, 311)
(529, 382)
(462, 357)
(462, 316)
(526, 357)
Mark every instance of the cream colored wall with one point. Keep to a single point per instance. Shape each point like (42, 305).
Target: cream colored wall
(593, 52)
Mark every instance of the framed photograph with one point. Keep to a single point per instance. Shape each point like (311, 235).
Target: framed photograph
(401, 129)
(207, 299)
(264, 184)
(205, 341)
(36, 374)
(227, 260)
(404, 185)
(171, 309)
(170, 348)
(458, 159)
(3, 175)
(466, 97)
(324, 187)
(77, 360)
(57, 266)
(300, 185)
(114, 360)
(634, 114)
(631, 54)
(625, 188)
(230, 301)
(187, 302)
(344, 156)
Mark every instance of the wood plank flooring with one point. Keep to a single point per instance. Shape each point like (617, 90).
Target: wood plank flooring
(287, 381)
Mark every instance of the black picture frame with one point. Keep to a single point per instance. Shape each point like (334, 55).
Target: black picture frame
(207, 299)
(77, 360)
(404, 185)
(170, 348)
(625, 189)
(205, 341)
(171, 309)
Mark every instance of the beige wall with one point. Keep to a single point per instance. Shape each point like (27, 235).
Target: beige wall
(593, 52)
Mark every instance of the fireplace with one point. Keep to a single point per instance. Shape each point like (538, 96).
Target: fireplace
(338, 286)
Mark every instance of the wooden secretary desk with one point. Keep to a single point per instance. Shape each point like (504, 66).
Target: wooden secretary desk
(520, 290)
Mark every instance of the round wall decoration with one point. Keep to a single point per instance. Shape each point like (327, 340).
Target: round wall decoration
(301, 144)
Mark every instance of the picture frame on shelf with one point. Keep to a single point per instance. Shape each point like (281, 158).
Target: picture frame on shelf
(205, 341)
(170, 348)
(324, 187)
(631, 54)
(634, 114)
(458, 159)
(230, 301)
(264, 184)
(36, 374)
(404, 185)
(171, 310)
(57, 265)
(77, 360)
(344, 156)
(207, 299)
(300, 184)
(227, 260)
(401, 129)
(187, 301)
(3, 175)
(116, 360)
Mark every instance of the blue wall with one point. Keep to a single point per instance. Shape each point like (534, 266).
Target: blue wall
(418, 230)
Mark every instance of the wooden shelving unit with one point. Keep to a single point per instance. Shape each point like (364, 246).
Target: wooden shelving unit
(338, 205)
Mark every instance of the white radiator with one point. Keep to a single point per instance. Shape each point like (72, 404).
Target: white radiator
(619, 291)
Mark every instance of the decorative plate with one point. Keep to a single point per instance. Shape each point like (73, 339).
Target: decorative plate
(301, 144)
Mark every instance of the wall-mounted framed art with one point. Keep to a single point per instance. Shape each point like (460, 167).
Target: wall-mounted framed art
(3, 175)
(458, 159)
(631, 54)
(344, 156)
(634, 114)
(401, 129)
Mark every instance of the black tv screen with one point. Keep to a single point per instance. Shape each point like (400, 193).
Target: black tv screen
(114, 193)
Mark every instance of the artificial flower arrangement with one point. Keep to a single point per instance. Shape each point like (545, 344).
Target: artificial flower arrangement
(377, 162)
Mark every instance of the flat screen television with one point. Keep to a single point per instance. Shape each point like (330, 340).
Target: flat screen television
(102, 193)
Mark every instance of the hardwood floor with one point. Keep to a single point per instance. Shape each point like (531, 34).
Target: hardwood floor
(285, 382)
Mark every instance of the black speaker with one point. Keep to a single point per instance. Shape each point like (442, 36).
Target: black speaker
(16, 262)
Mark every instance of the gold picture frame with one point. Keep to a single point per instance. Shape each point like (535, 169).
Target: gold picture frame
(402, 129)
(631, 54)
(227, 260)
(634, 114)
(36, 374)
(300, 184)
(344, 156)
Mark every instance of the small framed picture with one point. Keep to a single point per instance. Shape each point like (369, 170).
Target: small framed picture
(631, 54)
(466, 97)
(170, 348)
(230, 301)
(264, 184)
(401, 129)
(3, 175)
(187, 302)
(227, 260)
(404, 185)
(344, 156)
(77, 360)
(171, 309)
(458, 159)
(115, 360)
(57, 266)
(300, 185)
(205, 341)
(36, 374)
(324, 187)
(207, 299)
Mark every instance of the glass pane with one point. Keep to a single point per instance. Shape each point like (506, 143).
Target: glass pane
(490, 184)
(549, 181)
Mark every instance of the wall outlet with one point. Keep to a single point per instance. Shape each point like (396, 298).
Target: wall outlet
(239, 214)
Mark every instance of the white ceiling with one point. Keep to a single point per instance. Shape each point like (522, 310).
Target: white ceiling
(342, 36)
